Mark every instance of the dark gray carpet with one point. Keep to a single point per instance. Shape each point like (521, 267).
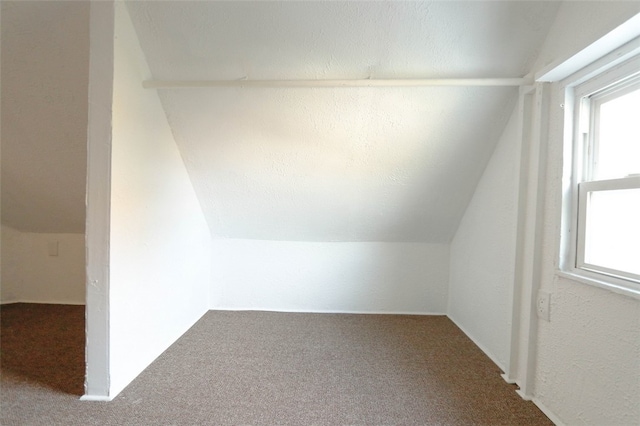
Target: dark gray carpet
(265, 368)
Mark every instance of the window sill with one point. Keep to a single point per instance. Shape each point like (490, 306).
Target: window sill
(606, 283)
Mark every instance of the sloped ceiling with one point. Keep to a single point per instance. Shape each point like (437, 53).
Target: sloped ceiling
(316, 164)
(45, 63)
(338, 164)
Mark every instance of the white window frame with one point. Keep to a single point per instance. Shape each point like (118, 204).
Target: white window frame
(584, 189)
(582, 90)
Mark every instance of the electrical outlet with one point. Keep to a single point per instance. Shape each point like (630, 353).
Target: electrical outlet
(543, 303)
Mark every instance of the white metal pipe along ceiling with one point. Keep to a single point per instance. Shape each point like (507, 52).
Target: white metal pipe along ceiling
(423, 82)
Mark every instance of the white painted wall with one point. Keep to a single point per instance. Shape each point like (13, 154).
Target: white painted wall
(329, 164)
(159, 242)
(330, 277)
(45, 59)
(29, 274)
(588, 355)
(9, 261)
(483, 252)
(45, 52)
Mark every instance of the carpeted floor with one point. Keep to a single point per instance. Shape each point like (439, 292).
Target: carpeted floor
(263, 368)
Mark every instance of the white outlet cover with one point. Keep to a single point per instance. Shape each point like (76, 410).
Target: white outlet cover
(543, 303)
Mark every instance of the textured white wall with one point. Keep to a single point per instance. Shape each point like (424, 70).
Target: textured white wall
(334, 164)
(483, 252)
(160, 243)
(29, 274)
(588, 369)
(588, 355)
(350, 164)
(330, 277)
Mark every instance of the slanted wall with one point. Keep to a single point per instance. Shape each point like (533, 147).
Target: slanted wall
(158, 244)
(159, 238)
(483, 252)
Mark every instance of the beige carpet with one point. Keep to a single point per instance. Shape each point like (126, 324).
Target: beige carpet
(264, 368)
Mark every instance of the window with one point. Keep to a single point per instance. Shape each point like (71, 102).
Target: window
(605, 183)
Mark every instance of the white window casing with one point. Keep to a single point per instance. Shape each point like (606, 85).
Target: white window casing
(583, 100)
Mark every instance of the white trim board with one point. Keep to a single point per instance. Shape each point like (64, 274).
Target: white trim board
(616, 38)
(321, 311)
(98, 202)
(96, 398)
(547, 412)
(40, 302)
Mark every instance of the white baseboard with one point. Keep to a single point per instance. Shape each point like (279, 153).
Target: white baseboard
(44, 302)
(508, 379)
(96, 398)
(328, 311)
(547, 412)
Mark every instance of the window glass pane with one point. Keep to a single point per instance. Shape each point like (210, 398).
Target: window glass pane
(619, 137)
(612, 237)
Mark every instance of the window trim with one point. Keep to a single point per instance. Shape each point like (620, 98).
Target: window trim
(604, 79)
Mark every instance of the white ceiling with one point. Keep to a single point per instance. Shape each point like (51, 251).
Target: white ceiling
(338, 164)
(315, 164)
(45, 64)
(340, 39)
